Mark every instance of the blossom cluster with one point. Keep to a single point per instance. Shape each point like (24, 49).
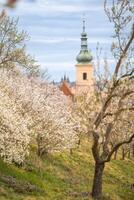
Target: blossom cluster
(32, 110)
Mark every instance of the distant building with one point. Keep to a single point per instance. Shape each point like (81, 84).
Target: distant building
(84, 71)
(84, 66)
(66, 87)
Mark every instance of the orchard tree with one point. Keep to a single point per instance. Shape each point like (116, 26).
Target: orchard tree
(116, 114)
(53, 124)
(14, 132)
(15, 135)
(108, 114)
(12, 47)
(33, 111)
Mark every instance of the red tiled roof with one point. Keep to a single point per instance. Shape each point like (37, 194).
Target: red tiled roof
(64, 87)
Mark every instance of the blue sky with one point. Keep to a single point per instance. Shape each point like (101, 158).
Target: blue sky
(54, 27)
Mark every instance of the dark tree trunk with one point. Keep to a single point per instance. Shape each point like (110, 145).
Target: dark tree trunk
(129, 153)
(115, 155)
(41, 151)
(79, 142)
(97, 182)
(71, 151)
(123, 154)
(133, 150)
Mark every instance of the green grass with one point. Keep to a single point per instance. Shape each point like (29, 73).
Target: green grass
(69, 177)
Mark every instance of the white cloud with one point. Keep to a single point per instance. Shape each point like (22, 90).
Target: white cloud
(91, 40)
(39, 8)
(54, 40)
(69, 66)
(70, 8)
(110, 62)
(58, 66)
(55, 27)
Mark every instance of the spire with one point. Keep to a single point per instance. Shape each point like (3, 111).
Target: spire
(68, 79)
(84, 55)
(65, 78)
(84, 26)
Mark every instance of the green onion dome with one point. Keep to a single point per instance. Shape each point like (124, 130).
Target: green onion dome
(84, 57)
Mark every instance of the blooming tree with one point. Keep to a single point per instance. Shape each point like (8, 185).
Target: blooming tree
(33, 111)
(108, 114)
(13, 49)
(14, 133)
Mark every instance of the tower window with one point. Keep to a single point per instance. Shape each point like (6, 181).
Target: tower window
(84, 76)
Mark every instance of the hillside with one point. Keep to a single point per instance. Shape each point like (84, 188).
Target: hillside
(65, 177)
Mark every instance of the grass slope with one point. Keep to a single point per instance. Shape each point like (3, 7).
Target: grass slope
(68, 177)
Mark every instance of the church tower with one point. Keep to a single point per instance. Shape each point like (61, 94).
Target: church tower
(84, 66)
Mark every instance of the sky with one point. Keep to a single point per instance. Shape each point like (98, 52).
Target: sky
(54, 27)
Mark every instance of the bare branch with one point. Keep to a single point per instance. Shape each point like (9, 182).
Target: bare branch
(117, 146)
(124, 53)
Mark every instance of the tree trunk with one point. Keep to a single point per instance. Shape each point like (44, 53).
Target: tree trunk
(123, 154)
(97, 182)
(129, 153)
(133, 150)
(115, 155)
(71, 151)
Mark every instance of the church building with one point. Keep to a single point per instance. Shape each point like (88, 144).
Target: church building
(84, 69)
(84, 66)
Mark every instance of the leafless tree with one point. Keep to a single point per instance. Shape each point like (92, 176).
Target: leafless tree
(120, 13)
